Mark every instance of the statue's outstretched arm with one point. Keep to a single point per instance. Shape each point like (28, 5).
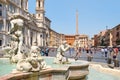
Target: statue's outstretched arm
(66, 48)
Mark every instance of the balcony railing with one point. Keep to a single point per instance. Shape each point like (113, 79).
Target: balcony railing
(19, 12)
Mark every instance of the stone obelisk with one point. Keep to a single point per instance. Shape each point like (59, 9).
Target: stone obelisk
(77, 32)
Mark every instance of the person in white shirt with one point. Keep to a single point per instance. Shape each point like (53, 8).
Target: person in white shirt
(102, 51)
(106, 52)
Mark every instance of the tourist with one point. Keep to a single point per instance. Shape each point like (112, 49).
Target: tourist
(106, 52)
(89, 54)
(110, 50)
(46, 51)
(70, 51)
(115, 53)
(87, 50)
(42, 51)
(115, 57)
(102, 51)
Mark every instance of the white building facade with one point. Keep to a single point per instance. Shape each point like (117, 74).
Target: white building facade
(36, 27)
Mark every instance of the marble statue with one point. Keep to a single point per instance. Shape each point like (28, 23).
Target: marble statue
(60, 58)
(17, 25)
(14, 48)
(34, 62)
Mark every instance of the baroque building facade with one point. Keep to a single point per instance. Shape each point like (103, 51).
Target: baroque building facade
(109, 37)
(115, 35)
(36, 27)
(77, 40)
(70, 39)
(55, 38)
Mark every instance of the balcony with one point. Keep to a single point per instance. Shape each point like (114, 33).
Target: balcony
(14, 2)
(20, 13)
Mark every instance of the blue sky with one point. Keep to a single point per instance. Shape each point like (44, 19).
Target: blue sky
(94, 15)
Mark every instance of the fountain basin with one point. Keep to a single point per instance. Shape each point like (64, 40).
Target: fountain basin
(56, 72)
(99, 72)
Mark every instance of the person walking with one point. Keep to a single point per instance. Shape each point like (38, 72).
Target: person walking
(89, 54)
(46, 51)
(70, 51)
(106, 52)
(115, 57)
(102, 51)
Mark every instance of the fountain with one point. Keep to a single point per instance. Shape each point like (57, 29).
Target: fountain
(99, 72)
(32, 66)
(28, 64)
(25, 62)
(55, 72)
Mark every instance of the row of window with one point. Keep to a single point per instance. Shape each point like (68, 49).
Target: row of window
(17, 2)
(0, 9)
(8, 28)
(11, 8)
(0, 12)
(1, 26)
(0, 42)
(117, 35)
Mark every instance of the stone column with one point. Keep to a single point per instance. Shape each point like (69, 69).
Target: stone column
(29, 36)
(37, 4)
(4, 37)
(27, 5)
(41, 39)
(24, 3)
(44, 39)
(34, 37)
(111, 36)
(38, 38)
(4, 25)
(83, 41)
(26, 36)
(20, 3)
(41, 4)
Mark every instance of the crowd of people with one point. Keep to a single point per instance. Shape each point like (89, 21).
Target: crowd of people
(76, 52)
(44, 51)
(110, 52)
